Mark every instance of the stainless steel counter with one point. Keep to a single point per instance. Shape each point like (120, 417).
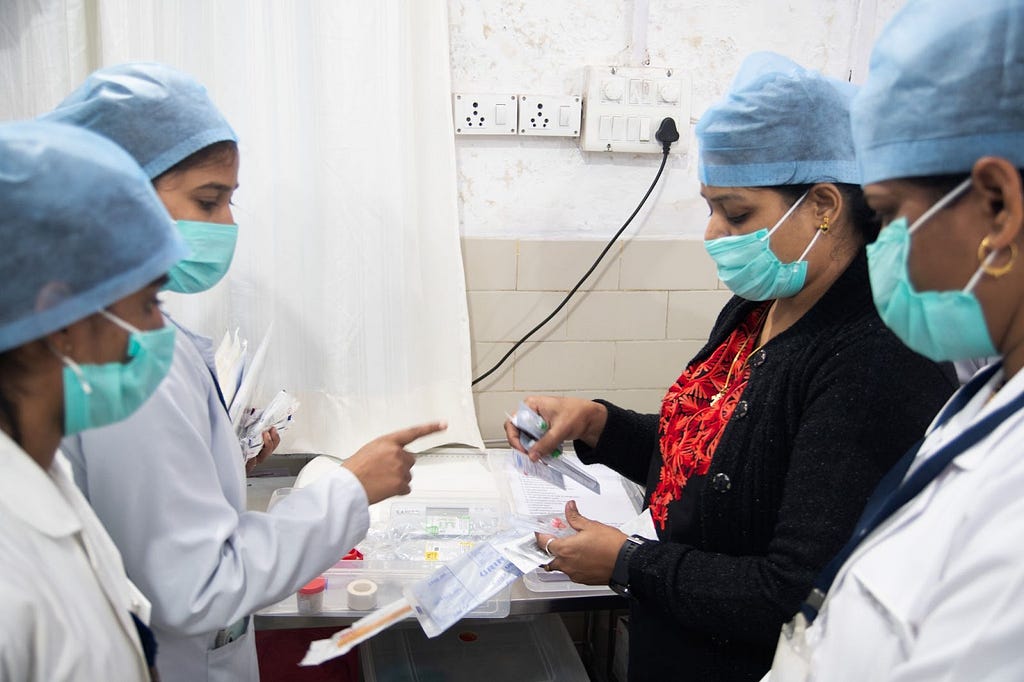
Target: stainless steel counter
(523, 600)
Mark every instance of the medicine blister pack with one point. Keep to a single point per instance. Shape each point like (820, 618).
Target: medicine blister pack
(432, 529)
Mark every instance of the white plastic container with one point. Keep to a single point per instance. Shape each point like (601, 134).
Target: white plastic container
(309, 600)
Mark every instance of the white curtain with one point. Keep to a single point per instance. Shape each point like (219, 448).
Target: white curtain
(347, 208)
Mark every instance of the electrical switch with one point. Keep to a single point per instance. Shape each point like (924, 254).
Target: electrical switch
(623, 106)
(618, 127)
(633, 128)
(635, 91)
(479, 113)
(612, 90)
(669, 92)
(549, 115)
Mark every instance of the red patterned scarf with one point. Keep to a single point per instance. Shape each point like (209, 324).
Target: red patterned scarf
(697, 408)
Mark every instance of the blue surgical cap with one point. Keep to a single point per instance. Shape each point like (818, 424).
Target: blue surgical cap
(81, 228)
(945, 88)
(779, 124)
(160, 115)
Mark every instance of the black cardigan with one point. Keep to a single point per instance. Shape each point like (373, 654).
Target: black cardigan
(830, 405)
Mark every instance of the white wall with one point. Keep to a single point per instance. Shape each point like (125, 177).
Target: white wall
(548, 188)
(650, 306)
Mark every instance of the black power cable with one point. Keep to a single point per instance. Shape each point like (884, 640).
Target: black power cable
(666, 135)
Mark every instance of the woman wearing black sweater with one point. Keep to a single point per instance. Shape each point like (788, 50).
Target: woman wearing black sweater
(771, 440)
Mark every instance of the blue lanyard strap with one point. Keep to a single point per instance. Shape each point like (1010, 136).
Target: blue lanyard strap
(893, 492)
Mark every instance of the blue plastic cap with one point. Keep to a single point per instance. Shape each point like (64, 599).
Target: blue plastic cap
(779, 124)
(81, 228)
(160, 115)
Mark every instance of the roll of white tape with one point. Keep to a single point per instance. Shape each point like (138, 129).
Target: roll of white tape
(362, 595)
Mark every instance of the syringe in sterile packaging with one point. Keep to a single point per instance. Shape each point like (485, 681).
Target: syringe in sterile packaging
(444, 597)
(532, 428)
(363, 629)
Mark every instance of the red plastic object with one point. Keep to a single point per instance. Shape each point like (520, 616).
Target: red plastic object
(314, 586)
(353, 555)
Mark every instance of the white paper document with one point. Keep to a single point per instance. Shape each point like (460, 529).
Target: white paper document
(534, 497)
(229, 360)
(252, 374)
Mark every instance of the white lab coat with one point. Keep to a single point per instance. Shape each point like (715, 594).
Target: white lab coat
(937, 591)
(169, 485)
(65, 598)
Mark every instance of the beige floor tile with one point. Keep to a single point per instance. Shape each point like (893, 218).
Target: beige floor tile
(692, 314)
(507, 315)
(546, 265)
(666, 264)
(618, 315)
(651, 364)
(564, 365)
(490, 264)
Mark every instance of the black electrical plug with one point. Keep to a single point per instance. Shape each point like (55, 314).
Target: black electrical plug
(667, 134)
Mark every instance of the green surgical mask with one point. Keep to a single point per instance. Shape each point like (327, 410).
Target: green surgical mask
(751, 270)
(98, 395)
(940, 325)
(213, 247)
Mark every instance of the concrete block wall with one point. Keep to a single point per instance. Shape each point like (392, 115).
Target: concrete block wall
(646, 311)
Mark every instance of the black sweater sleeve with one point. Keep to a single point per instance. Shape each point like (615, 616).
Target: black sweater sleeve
(626, 445)
(860, 413)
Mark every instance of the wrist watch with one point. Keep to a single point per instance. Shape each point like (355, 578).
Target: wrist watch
(620, 573)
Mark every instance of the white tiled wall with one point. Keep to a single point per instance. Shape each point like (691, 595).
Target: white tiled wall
(644, 313)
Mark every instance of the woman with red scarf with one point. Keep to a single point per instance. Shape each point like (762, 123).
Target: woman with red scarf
(770, 441)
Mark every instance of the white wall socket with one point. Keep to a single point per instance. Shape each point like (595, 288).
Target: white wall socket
(484, 114)
(550, 115)
(624, 106)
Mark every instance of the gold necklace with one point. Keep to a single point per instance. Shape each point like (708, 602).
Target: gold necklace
(728, 377)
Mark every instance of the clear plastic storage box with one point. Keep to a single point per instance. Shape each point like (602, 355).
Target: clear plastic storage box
(455, 502)
(518, 649)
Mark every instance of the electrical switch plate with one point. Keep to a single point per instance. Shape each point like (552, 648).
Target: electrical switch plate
(624, 106)
(484, 114)
(550, 115)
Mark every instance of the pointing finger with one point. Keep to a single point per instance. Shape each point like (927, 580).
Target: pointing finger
(406, 436)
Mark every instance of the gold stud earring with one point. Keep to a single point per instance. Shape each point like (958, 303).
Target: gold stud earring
(824, 224)
(993, 270)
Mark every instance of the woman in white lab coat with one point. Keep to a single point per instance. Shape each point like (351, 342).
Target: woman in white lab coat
(82, 344)
(179, 515)
(931, 586)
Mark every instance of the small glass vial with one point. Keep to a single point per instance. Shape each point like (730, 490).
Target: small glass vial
(310, 598)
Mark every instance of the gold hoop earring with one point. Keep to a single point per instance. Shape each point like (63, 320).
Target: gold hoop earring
(996, 271)
(824, 225)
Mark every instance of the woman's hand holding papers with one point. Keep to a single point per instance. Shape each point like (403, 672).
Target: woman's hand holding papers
(271, 439)
(587, 557)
